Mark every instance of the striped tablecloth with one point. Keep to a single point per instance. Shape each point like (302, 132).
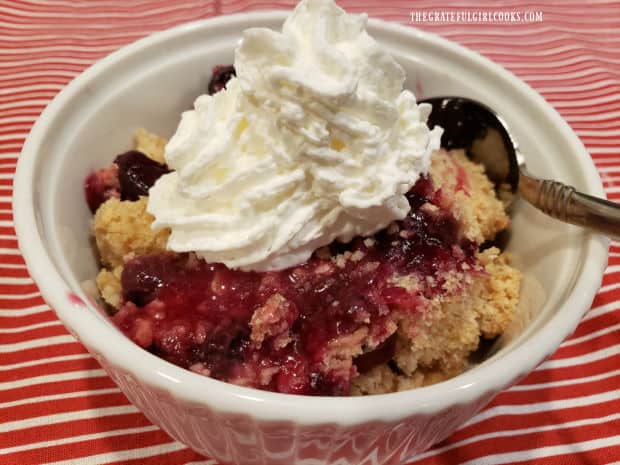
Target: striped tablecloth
(56, 403)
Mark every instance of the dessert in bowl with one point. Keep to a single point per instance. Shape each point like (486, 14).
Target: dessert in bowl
(234, 423)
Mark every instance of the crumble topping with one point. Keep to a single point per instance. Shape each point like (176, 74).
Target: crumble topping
(150, 144)
(122, 229)
(436, 318)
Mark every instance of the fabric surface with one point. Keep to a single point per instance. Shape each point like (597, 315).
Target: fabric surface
(58, 406)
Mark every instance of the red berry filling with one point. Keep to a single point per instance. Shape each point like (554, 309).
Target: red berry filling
(291, 330)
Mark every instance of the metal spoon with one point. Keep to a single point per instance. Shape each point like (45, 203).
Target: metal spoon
(473, 126)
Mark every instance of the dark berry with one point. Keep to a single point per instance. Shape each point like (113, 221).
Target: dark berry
(137, 173)
(221, 75)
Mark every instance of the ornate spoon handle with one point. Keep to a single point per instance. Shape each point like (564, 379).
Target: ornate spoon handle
(567, 204)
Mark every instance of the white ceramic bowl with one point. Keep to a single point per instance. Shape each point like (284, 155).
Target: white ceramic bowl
(148, 84)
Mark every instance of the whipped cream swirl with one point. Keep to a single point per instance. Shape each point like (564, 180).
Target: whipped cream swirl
(314, 141)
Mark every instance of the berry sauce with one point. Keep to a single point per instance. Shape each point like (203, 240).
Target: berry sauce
(290, 330)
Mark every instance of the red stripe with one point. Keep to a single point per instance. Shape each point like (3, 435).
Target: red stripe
(17, 289)
(571, 391)
(13, 272)
(535, 419)
(589, 345)
(72, 404)
(44, 316)
(49, 368)
(7, 303)
(179, 457)
(38, 353)
(85, 448)
(78, 427)
(560, 374)
(32, 334)
(58, 387)
(502, 445)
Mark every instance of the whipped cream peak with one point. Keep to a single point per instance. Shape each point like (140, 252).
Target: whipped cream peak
(314, 141)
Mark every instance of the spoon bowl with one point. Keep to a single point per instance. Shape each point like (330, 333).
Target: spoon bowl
(485, 137)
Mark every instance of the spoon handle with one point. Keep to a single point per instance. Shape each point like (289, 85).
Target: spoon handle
(566, 204)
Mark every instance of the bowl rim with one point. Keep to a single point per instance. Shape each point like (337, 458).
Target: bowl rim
(191, 387)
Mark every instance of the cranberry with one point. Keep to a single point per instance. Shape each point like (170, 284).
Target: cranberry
(137, 173)
(221, 75)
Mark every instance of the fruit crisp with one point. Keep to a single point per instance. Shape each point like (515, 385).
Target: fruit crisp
(401, 309)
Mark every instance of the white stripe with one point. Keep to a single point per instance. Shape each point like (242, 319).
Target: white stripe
(566, 76)
(602, 84)
(21, 135)
(581, 359)
(11, 280)
(5, 251)
(28, 295)
(79, 438)
(67, 395)
(25, 311)
(538, 407)
(55, 378)
(6, 223)
(608, 169)
(120, 456)
(599, 133)
(76, 49)
(44, 361)
(516, 432)
(594, 118)
(22, 329)
(13, 266)
(590, 336)
(10, 175)
(32, 87)
(604, 100)
(48, 60)
(46, 420)
(548, 451)
(34, 343)
(553, 64)
(612, 189)
(29, 74)
(8, 155)
(604, 150)
(601, 310)
(609, 287)
(41, 103)
(564, 382)
(612, 269)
